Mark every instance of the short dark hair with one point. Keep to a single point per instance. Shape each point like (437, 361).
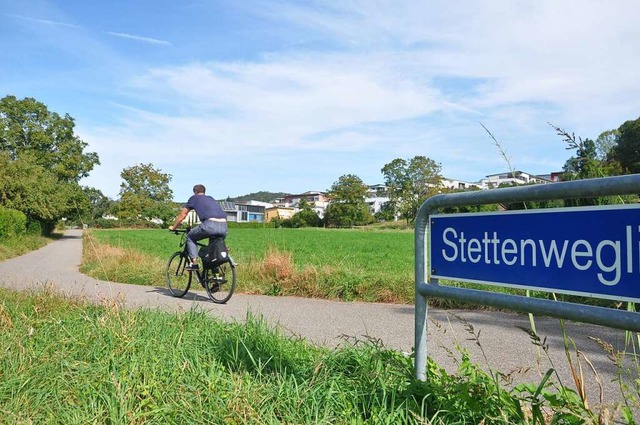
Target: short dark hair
(199, 189)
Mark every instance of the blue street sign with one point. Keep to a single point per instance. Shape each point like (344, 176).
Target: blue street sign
(589, 251)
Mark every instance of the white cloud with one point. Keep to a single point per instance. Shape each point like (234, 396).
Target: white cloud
(148, 40)
(44, 21)
(292, 102)
(395, 79)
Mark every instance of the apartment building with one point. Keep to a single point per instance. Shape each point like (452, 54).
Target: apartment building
(316, 199)
(238, 212)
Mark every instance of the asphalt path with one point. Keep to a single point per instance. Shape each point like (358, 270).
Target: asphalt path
(499, 343)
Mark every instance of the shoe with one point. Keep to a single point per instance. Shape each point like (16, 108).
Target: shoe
(191, 267)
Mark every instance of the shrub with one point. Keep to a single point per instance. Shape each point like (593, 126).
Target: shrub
(35, 227)
(12, 222)
(306, 218)
(101, 223)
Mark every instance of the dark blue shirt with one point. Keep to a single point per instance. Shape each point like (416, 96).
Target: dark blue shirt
(206, 207)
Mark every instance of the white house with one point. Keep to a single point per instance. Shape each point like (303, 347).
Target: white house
(515, 177)
(316, 199)
(459, 184)
(376, 197)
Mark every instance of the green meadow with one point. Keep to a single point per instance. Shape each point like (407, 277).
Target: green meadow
(368, 265)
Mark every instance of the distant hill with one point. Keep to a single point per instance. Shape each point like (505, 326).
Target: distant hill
(258, 196)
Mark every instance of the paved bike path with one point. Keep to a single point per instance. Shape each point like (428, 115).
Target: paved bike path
(506, 347)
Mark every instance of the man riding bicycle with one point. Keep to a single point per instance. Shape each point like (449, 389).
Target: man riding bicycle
(213, 221)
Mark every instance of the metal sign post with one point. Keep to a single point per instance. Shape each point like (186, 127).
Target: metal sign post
(584, 251)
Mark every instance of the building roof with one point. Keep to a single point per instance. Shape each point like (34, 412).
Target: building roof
(517, 173)
(227, 206)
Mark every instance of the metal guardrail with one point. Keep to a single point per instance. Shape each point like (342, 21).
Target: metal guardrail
(424, 287)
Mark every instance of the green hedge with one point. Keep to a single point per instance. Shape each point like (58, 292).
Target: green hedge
(12, 222)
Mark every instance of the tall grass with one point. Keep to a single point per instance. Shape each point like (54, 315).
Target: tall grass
(334, 264)
(120, 264)
(65, 361)
(14, 246)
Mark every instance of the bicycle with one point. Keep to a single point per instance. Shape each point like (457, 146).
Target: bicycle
(219, 282)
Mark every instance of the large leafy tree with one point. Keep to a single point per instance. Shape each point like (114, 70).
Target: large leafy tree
(32, 189)
(386, 213)
(584, 164)
(348, 206)
(28, 128)
(605, 143)
(145, 194)
(41, 161)
(96, 203)
(627, 149)
(410, 183)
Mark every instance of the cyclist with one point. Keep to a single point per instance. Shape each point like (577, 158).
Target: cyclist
(213, 221)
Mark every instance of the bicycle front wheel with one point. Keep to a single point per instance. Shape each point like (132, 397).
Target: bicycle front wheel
(178, 279)
(220, 282)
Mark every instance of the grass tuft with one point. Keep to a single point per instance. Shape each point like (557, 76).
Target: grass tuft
(120, 264)
(277, 266)
(67, 361)
(14, 246)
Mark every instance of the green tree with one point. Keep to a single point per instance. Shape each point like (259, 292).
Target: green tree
(306, 217)
(386, 213)
(100, 203)
(410, 183)
(584, 164)
(348, 206)
(33, 190)
(145, 194)
(589, 161)
(627, 149)
(28, 128)
(605, 143)
(145, 180)
(41, 162)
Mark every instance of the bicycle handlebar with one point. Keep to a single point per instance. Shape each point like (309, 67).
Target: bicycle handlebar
(178, 231)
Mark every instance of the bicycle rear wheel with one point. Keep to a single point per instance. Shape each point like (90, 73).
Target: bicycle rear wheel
(178, 279)
(220, 282)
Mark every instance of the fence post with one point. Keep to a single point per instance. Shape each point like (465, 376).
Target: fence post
(420, 334)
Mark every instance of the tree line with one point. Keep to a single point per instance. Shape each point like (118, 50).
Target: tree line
(42, 161)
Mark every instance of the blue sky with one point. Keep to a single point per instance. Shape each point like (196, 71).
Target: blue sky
(244, 96)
